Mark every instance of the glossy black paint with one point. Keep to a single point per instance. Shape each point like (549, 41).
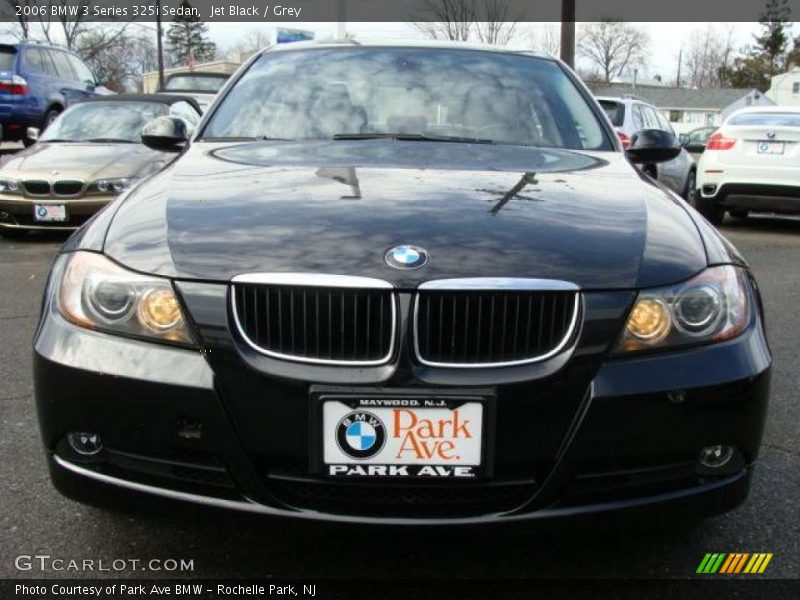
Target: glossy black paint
(224, 210)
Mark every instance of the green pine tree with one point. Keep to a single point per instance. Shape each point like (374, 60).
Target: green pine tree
(767, 57)
(188, 35)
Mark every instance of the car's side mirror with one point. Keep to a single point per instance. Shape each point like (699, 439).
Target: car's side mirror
(167, 134)
(683, 139)
(33, 133)
(652, 146)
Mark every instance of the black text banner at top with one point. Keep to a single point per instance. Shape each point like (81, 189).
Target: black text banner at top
(388, 10)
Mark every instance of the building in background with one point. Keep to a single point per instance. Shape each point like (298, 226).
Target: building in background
(687, 108)
(784, 89)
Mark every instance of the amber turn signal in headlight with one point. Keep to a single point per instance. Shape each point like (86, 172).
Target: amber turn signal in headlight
(96, 293)
(650, 320)
(712, 306)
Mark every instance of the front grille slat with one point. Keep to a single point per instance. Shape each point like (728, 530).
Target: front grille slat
(316, 324)
(36, 187)
(500, 326)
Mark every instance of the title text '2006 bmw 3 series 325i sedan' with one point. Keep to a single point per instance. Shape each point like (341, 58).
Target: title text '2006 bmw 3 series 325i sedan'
(403, 284)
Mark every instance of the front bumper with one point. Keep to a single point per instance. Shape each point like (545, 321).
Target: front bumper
(17, 212)
(631, 442)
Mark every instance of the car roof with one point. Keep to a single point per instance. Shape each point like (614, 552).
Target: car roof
(766, 109)
(169, 99)
(404, 43)
(30, 44)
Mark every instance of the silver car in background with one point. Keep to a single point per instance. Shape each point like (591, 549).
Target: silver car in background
(628, 115)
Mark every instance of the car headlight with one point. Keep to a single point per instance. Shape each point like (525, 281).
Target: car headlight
(9, 186)
(712, 306)
(98, 294)
(114, 186)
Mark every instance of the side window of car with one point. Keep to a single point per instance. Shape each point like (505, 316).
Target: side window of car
(185, 111)
(33, 59)
(638, 119)
(83, 72)
(650, 120)
(63, 67)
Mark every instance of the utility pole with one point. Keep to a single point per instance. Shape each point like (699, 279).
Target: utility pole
(159, 46)
(568, 32)
(341, 24)
(680, 60)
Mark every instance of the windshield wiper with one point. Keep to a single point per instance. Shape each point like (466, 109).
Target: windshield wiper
(60, 141)
(227, 138)
(412, 137)
(101, 140)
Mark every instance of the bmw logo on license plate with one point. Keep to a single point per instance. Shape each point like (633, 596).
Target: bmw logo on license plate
(406, 257)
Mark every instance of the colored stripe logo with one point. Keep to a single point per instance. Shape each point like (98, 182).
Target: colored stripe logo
(734, 562)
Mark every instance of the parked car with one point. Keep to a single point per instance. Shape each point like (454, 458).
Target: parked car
(37, 82)
(752, 163)
(87, 156)
(695, 141)
(203, 87)
(629, 115)
(403, 284)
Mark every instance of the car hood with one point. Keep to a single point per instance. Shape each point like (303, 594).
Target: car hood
(337, 207)
(83, 161)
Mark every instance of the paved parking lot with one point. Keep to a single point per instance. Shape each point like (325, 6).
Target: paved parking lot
(35, 519)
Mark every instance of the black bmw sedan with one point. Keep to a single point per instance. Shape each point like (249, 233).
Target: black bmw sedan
(404, 284)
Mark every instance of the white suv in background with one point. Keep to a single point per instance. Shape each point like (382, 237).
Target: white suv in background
(751, 163)
(628, 115)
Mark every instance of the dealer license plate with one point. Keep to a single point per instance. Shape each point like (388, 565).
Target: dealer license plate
(403, 437)
(770, 147)
(49, 212)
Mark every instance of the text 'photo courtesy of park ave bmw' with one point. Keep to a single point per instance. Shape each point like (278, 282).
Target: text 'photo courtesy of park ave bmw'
(411, 278)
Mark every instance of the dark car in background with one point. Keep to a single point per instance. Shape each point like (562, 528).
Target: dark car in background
(37, 82)
(403, 284)
(85, 159)
(695, 141)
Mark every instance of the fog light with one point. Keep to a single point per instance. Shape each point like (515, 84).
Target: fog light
(716, 457)
(85, 443)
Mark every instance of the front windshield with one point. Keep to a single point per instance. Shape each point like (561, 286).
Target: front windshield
(110, 121)
(195, 83)
(485, 96)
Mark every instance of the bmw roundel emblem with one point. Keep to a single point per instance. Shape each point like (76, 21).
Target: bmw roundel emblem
(406, 257)
(360, 434)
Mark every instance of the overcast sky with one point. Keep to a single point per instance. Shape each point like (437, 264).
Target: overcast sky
(665, 38)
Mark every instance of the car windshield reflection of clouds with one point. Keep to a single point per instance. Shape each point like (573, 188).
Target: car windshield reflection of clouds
(104, 120)
(327, 92)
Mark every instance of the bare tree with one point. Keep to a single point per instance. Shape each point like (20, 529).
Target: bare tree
(497, 24)
(454, 19)
(253, 41)
(708, 53)
(613, 46)
(23, 24)
(488, 21)
(544, 37)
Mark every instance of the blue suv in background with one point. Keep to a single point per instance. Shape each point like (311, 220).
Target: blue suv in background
(37, 82)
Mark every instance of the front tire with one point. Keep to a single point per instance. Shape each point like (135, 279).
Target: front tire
(739, 213)
(690, 190)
